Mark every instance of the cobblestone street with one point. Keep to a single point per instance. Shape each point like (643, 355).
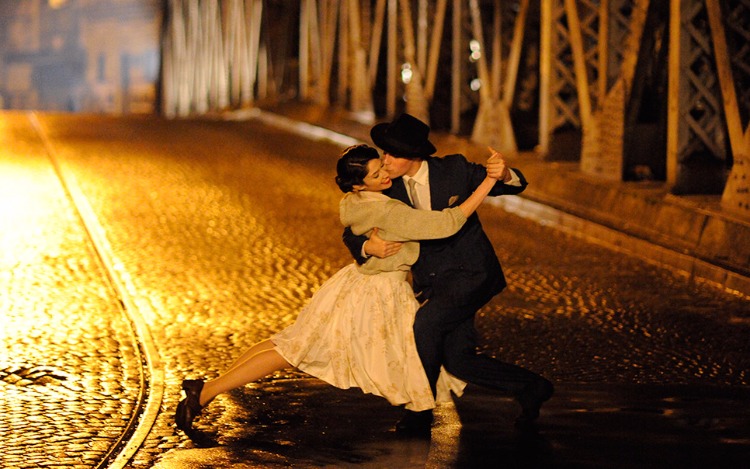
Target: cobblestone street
(208, 236)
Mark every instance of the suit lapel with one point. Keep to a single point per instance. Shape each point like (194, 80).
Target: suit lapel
(437, 190)
(438, 196)
(398, 191)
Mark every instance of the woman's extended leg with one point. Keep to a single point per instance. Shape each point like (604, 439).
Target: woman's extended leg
(258, 361)
(249, 353)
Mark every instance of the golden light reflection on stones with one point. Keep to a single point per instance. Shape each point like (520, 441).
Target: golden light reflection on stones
(446, 432)
(226, 246)
(63, 340)
(18, 216)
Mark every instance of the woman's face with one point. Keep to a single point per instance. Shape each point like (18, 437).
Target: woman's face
(377, 179)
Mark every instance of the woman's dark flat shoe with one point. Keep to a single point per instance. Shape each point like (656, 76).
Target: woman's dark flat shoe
(190, 407)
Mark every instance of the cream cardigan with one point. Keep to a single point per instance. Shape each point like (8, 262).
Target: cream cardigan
(363, 211)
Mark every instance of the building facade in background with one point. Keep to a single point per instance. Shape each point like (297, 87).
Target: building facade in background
(97, 56)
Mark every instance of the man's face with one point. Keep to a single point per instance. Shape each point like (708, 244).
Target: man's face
(398, 167)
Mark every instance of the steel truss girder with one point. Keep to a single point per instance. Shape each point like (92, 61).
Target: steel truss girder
(621, 27)
(589, 63)
(730, 32)
(498, 72)
(698, 153)
(211, 56)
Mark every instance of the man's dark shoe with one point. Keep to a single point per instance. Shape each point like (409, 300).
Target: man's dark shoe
(415, 423)
(531, 400)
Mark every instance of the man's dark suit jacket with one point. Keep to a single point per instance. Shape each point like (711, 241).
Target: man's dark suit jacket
(461, 270)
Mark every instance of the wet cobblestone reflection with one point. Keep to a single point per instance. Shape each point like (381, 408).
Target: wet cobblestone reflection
(69, 376)
(225, 230)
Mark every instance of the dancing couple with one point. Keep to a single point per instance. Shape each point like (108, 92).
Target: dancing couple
(404, 211)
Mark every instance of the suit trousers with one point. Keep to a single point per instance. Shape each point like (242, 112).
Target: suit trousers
(446, 335)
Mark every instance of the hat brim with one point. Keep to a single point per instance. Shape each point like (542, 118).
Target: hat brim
(382, 140)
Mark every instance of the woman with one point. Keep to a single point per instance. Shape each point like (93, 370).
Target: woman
(356, 331)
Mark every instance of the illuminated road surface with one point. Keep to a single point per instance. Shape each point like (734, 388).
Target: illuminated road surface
(211, 236)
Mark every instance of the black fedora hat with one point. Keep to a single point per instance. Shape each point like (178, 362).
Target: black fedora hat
(405, 137)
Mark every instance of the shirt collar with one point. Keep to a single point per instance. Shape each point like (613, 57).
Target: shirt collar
(422, 175)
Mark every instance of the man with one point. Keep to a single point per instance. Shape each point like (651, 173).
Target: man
(453, 277)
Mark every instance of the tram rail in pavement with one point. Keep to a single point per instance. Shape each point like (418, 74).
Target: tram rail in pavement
(152, 374)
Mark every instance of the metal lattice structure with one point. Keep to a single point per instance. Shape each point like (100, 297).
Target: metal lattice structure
(732, 53)
(652, 90)
(699, 143)
(212, 56)
(558, 95)
(621, 24)
(498, 72)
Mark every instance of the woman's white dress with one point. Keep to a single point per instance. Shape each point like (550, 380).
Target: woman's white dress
(357, 329)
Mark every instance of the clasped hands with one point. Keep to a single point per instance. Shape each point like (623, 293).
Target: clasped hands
(496, 167)
(378, 247)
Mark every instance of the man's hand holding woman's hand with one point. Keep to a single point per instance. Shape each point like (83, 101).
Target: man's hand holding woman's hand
(378, 247)
(496, 167)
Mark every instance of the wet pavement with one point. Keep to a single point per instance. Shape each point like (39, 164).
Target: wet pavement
(137, 252)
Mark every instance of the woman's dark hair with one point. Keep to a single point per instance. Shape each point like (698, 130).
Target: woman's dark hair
(351, 168)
